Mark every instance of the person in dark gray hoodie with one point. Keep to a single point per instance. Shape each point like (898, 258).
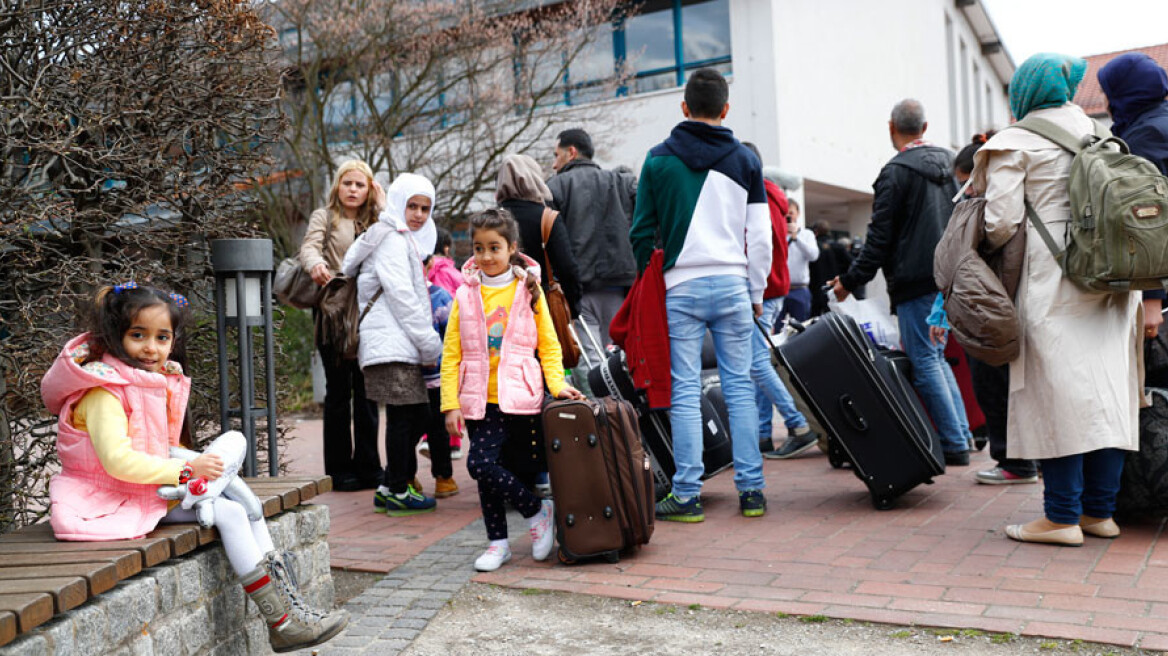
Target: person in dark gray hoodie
(597, 207)
(912, 201)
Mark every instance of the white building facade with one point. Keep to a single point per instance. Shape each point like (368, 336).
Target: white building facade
(812, 84)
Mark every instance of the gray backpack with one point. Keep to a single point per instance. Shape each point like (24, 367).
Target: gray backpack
(1117, 240)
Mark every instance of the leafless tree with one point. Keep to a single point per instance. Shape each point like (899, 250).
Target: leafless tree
(130, 134)
(442, 87)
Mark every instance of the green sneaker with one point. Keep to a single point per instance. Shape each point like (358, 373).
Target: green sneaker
(752, 503)
(670, 509)
(414, 503)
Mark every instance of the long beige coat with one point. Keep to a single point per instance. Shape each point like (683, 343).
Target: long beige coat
(1075, 386)
(312, 249)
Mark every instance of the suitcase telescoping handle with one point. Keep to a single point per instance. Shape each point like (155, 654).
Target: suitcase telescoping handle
(592, 339)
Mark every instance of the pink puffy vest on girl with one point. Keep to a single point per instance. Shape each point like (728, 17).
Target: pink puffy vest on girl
(88, 503)
(520, 376)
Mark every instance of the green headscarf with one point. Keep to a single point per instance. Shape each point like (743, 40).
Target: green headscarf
(1045, 80)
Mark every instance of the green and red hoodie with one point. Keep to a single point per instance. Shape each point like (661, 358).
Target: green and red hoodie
(701, 194)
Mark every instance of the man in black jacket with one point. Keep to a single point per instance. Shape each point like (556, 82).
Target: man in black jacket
(597, 208)
(911, 206)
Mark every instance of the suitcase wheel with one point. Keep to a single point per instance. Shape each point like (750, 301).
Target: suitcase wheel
(834, 459)
(612, 557)
(883, 503)
(564, 557)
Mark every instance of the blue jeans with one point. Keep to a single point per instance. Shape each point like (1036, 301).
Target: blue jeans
(721, 304)
(932, 375)
(1082, 484)
(771, 390)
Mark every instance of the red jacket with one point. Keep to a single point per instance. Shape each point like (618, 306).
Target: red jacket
(779, 281)
(641, 328)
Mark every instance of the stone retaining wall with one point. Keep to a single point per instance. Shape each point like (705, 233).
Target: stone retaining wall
(192, 605)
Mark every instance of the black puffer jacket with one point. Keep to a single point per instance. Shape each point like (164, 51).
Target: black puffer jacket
(913, 200)
(597, 206)
(529, 216)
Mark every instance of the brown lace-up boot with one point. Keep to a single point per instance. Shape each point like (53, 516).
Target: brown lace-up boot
(292, 624)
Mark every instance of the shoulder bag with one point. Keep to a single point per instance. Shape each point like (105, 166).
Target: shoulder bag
(556, 301)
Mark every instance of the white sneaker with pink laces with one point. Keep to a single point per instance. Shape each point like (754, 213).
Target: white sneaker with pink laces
(493, 558)
(542, 531)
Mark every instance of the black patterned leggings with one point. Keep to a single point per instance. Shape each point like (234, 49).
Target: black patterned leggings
(497, 485)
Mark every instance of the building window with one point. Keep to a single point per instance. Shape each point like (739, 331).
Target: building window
(664, 40)
(667, 38)
(989, 101)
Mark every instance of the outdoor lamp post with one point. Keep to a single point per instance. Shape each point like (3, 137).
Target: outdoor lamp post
(243, 300)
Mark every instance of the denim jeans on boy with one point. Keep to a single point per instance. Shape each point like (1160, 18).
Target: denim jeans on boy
(721, 304)
(1082, 484)
(932, 375)
(771, 390)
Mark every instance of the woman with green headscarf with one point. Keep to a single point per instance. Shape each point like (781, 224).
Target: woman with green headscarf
(1074, 388)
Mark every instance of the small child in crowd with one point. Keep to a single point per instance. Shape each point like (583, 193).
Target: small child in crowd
(120, 395)
(491, 377)
(442, 469)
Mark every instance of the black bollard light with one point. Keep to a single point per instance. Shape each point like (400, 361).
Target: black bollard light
(243, 300)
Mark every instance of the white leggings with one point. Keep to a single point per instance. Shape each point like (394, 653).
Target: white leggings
(245, 541)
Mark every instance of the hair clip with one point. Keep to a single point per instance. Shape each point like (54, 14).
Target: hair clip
(179, 299)
(118, 289)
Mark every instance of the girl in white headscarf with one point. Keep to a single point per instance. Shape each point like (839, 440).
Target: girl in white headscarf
(398, 337)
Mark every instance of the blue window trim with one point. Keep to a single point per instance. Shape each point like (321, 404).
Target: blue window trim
(678, 44)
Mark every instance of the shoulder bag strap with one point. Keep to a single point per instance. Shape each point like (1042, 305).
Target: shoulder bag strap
(1059, 254)
(545, 228)
(1050, 131)
(369, 306)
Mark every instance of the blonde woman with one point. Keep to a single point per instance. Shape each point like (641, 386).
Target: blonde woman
(350, 420)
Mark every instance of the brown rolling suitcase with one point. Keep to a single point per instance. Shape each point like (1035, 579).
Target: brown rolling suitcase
(600, 477)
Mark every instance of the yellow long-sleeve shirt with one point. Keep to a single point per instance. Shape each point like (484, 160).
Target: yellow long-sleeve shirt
(496, 306)
(100, 414)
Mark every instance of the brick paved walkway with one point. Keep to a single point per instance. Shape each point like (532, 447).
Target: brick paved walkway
(939, 559)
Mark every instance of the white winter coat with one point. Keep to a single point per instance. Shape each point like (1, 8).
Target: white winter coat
(1075, 386)
(399, 327)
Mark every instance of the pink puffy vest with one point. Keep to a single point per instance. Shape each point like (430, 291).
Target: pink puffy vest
(86, 502)
(520, 376)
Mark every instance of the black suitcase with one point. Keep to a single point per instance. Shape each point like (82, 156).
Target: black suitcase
(611, 377)
(1143, 487)
(871, 413)
(602, 479)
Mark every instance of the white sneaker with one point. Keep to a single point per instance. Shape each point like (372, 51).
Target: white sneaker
(424, 448)
(542, 532)
(492, 559)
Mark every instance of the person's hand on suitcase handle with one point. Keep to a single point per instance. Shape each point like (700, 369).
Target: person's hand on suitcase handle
(455, 426)
(568, 392)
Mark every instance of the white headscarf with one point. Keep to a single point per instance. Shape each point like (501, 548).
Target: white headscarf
(397, 196)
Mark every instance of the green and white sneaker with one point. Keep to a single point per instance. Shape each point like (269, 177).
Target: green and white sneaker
(411, 503)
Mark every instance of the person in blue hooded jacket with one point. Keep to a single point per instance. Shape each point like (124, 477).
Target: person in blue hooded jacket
(1135, 86)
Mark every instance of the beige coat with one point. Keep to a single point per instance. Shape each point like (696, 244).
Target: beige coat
(1075, 386)
(312, 250)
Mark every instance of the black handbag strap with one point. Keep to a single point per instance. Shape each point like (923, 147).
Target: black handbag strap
(369, 306)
